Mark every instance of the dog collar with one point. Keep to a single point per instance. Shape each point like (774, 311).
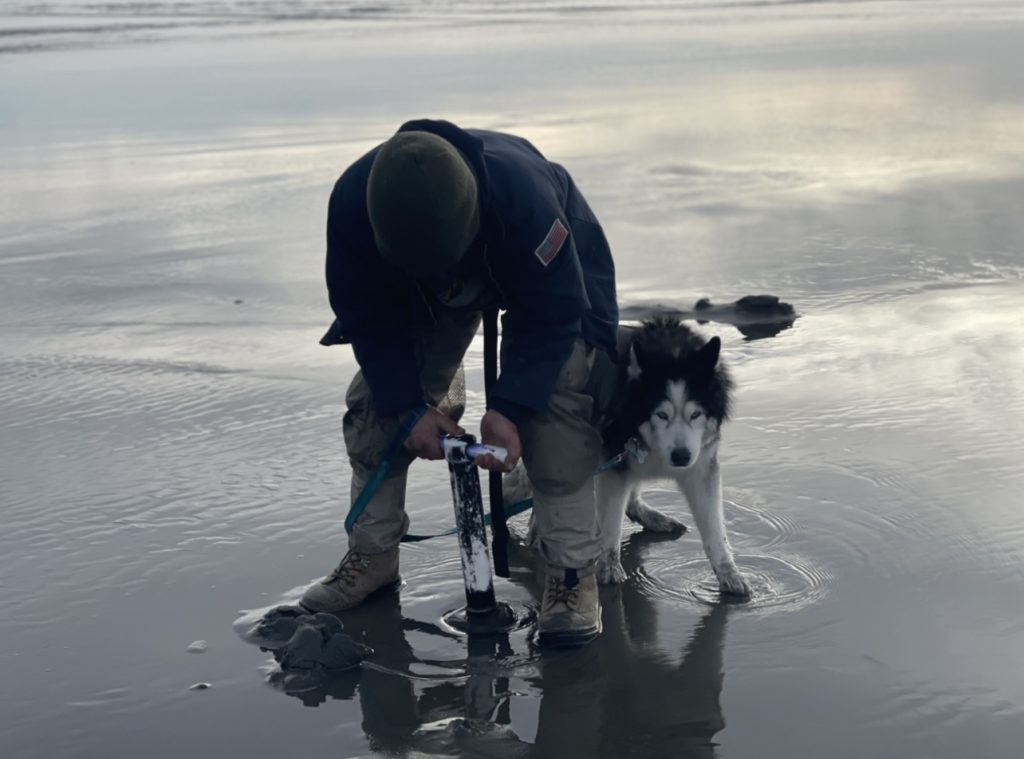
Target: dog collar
(633, 447)
(636, 449)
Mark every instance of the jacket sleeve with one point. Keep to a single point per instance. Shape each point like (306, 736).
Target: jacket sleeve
(546, 304)
(373, 305)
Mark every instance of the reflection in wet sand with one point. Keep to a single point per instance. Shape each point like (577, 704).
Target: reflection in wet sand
(627, 696)
(624, 695)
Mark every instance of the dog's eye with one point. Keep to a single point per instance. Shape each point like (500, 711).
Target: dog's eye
(694, 415)
(662, 415)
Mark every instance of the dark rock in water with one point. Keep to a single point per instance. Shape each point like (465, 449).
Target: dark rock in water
(200, 686)
(327, 622)
(760, 304)
(318, 644)
(277, 625)
(755, 316)
(306, 643)
(304, 649)
(765, 303)
(342, 652)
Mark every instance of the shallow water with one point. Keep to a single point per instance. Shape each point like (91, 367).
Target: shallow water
(170, 443)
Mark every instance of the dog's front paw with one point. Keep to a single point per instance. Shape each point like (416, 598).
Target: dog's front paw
(610, 571)
(732, 584)
(653, 520)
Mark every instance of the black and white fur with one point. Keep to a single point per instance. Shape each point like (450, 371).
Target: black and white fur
(672, 396)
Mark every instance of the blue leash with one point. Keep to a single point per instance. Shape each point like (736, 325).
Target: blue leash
(510, 511)
(359, 506)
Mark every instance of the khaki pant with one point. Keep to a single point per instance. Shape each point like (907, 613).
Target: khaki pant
(561, 449)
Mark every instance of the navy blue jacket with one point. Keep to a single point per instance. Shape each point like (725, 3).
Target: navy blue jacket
(549, 300)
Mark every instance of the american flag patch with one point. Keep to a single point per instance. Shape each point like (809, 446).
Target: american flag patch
(551, 244)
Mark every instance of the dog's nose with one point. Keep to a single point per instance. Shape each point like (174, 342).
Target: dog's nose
(680, 457)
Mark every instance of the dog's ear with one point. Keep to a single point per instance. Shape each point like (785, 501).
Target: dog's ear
(707, 356)
(636, 357)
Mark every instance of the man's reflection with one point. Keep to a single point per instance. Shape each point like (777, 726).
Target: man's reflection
(620, 696)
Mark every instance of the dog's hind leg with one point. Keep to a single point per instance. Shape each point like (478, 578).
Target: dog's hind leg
(702, 487)
(650, 518)
(612, 490)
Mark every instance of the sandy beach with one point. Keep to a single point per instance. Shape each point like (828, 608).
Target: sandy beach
(171, 457)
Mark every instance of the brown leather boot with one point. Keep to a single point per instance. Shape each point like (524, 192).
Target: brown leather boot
(356, 578)
(570, 614)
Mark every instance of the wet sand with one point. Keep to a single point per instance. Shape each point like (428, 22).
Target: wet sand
(170, 437)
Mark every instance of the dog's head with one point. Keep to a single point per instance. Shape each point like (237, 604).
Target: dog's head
(677, 391)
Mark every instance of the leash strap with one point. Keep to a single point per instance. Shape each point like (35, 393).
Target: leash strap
(359, 505)
(613, 462)
(520, 507)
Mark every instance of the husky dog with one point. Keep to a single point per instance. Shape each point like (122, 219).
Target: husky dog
(671, 396)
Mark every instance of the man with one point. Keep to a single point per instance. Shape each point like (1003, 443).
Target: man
(424, 233)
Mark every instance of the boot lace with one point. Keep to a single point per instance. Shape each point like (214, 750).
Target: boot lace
(349, 569)
(558, 592)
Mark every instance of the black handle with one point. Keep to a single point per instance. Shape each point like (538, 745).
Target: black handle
(499, 527)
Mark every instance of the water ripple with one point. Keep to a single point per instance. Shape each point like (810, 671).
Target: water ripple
(778, 582)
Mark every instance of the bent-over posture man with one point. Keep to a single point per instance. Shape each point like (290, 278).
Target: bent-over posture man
(424, 233)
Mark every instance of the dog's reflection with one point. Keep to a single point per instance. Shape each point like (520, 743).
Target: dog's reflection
(623, 695)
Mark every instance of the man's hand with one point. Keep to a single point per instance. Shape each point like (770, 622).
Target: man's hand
(496, 429)
(424, 442)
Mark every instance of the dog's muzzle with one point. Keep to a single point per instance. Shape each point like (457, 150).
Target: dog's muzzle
(680, 457)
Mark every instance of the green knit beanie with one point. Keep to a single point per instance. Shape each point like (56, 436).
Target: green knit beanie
(422, 201)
